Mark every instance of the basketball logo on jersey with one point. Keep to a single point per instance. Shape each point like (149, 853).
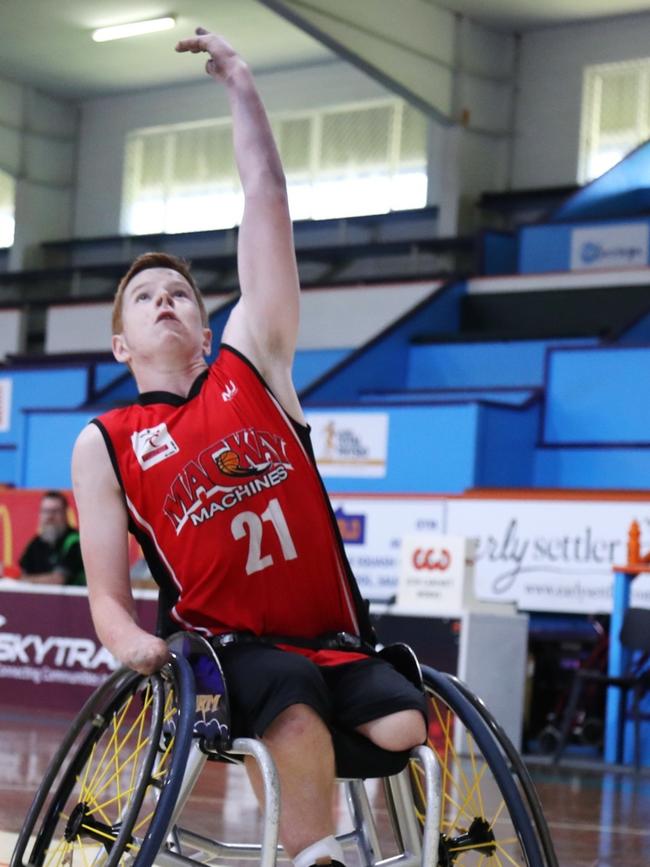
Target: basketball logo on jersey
(153, 445)
(237, 467)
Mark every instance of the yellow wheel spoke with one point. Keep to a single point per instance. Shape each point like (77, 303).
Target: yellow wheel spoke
(95, 809)
(113, 800)
(59, 850)
(466, 806)
(118, 770)
(85, 857)
(124, 740)
(82, 785)
(507, 856)
(116, 762)
(161, 770)
(459, 810)
(111, 837)
(486, 845)
(497, 814)
(472, 756)
(132, 780)
(143, 821)
(450, 749)
(123, 712)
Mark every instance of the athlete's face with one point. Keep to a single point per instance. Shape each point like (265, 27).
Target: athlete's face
(160, 314)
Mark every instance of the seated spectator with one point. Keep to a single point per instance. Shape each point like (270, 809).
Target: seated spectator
(53, 556)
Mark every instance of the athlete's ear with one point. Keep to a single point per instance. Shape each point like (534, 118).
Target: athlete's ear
(120, 349)
(206, 345)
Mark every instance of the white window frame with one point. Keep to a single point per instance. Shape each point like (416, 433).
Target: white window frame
(594, 142)
(406, 179)
(7, 210)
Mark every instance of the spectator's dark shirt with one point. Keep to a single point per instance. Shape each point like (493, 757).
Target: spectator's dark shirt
(62, 556)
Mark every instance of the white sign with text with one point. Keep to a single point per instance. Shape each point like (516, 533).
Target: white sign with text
(608, 247)
(352, 444)
(550, 555)
(434, 575)
(5, 404)
(372, 529)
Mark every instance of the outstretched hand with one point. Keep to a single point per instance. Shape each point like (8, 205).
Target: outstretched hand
(222, 54)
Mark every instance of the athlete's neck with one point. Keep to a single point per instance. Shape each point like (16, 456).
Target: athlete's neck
(168, 377)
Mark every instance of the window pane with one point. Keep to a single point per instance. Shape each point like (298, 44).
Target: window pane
(7, 200)
(152, 166)
(294, 137)
(414, 136)
(614, 115)
(358, 139)
(203, 155)
(356, 160)
(619, 105)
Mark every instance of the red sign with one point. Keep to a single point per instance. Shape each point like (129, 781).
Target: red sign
(50, 657)
(431, 558)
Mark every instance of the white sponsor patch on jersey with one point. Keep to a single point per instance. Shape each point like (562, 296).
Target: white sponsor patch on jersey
(153, 445)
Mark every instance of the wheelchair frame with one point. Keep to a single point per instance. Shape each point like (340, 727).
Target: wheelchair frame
(180, 739)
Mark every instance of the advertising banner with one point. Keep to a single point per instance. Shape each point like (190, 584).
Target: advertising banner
(624, 245)
(351, 444)
(550, 555)
(373, 528)
(434, 575)
(5, 403)
(49, 654)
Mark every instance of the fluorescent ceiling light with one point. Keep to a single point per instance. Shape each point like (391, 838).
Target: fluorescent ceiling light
(136, 28)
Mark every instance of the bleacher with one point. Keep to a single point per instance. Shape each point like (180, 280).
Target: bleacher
(519, 380)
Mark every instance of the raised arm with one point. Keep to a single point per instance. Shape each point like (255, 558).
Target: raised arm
(264, 323)
(104, 546)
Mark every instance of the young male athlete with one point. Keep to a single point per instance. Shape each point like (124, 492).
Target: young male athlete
(213, 471)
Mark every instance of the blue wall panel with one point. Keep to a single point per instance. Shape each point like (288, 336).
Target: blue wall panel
(8, 472)
(498, 252)
(47, 448)
(608, 468)
(467, 365)
(506, 446)
(514, 397)
(544, 248)
(638, 332)
(43, 388)
(106, 372)
(594, 396)
(382, 363)
(310, 364)
(430, 449)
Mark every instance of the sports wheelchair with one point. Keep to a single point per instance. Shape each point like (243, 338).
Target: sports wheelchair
(118, 791)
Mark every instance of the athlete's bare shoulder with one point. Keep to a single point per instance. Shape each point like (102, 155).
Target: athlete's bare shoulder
(90, 458)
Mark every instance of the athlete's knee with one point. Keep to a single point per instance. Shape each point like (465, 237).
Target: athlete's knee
(396, 732)
(296, 724)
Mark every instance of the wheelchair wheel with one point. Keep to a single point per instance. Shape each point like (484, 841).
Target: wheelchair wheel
(517, 767)
(110, 791)
(485, 818)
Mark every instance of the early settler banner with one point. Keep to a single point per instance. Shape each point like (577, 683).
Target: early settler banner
(551, 555)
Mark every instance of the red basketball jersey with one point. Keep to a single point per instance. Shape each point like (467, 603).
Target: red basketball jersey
(224, 496)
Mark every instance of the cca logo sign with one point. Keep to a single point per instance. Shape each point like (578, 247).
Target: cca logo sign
(431, 558)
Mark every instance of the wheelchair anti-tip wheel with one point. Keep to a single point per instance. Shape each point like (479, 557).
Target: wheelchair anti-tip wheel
(486, 819)
(109, 794)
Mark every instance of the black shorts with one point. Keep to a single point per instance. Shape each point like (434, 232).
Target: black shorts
(263, 680)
